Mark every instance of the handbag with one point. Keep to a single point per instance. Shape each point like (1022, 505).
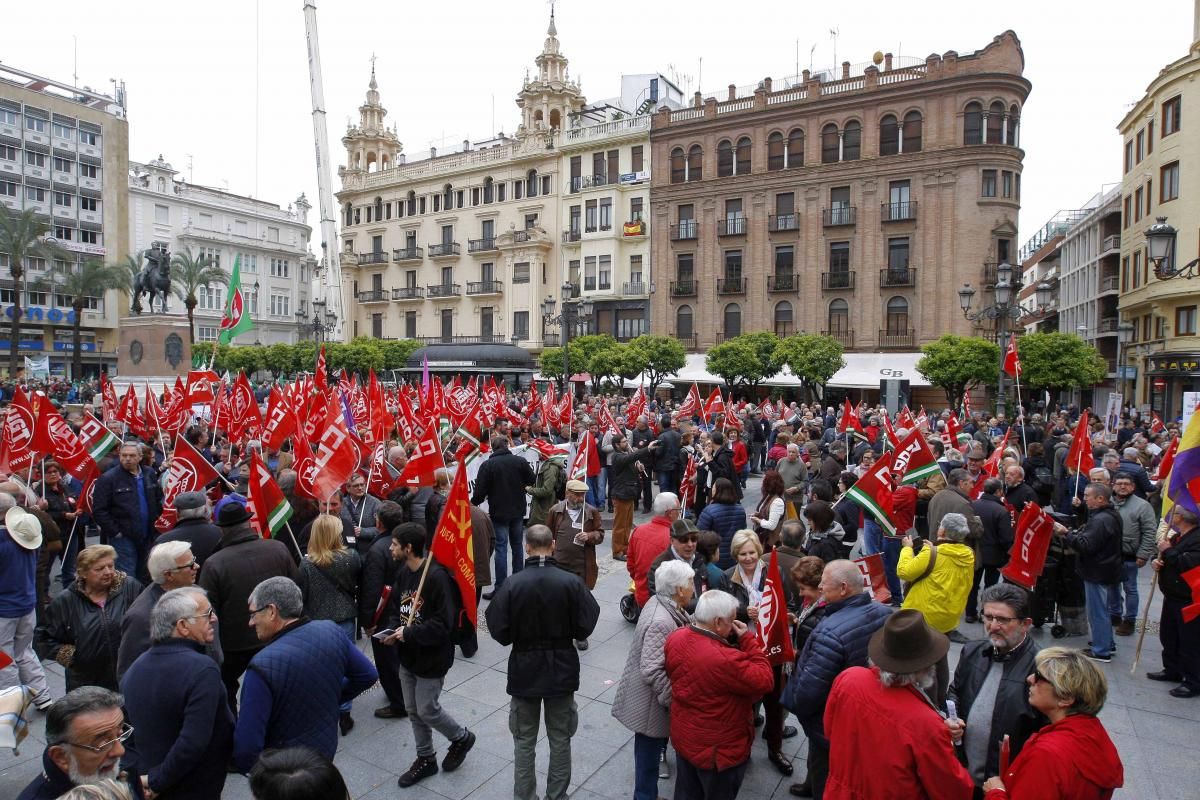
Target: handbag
(928, 569)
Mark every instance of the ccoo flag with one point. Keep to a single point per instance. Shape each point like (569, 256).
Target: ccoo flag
(237, 314)
(452, 542)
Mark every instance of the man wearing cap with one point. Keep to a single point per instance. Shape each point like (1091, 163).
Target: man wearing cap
(19, 542)
(194, 526)
(684, 547)
(577, 530)
(880, 715)
(243, 561)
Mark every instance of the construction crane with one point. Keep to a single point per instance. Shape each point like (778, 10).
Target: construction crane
(327, 284)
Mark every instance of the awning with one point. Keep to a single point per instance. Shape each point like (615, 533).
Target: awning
(695, 370)
(866, 370)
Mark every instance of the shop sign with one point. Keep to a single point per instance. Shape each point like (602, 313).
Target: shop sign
(39, 314)
(84, 347)
(1174, 363)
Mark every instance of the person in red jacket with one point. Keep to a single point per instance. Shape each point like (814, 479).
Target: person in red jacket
(717, 670)
(649, 541)
(880, 716)
(1072, 756)
(741, 458)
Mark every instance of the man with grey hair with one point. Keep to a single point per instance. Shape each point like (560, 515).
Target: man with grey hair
(295, 685)
(85, 736)
(183, 728)
(794, 472)
(194, 526)
(640, 437)
(717, 670)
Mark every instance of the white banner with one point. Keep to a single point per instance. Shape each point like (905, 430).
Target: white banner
(38, 366)
(1190, 401)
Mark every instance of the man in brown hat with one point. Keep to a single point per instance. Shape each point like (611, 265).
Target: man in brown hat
(880, 715)
(577, 530)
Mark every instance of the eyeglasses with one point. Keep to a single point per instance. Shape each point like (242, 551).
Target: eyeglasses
(693, 538)
(210, 614)
(194, 564)
(1038, 677)
(254, 612)
(104, 747)
(992, 618)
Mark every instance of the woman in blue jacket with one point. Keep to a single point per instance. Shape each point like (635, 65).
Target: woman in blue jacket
(725, 515)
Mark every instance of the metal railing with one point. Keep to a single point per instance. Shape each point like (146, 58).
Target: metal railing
(731, 285)
(634, 288)
(408, 293)
(408, 253)
(444, 290)
(899, 212)
(481, 245)
(888, 338)
(897, 278)
(783, 283)
(1110, 283)
(690, 341)
(731, 226)
(571, 235)
(494, 338)
(373, 296)
(844, 336)
(372, 258)
(684, 229)
(783, 222)
(836, 280)
(683, 288)
(444, 249)
(1107, 325)
(839, 215)
(484, 287)
(588, 181)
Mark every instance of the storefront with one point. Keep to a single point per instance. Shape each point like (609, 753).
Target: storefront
(1169, 376)
(49, 331)
(505, 363)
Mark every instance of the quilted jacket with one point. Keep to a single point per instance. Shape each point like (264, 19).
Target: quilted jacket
(643, 696)
(726, 519)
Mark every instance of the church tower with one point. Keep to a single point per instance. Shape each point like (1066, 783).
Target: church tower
(546, 101)
(370, 146)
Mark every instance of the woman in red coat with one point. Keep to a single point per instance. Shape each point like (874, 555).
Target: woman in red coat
(1072, 757)
(714, 685)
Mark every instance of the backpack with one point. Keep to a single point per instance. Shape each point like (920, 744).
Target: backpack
(560, 482)
(1043, 478)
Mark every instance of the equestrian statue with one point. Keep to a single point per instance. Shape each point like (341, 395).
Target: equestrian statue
(154, 279)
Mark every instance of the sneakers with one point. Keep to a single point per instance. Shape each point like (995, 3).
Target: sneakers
(421, 769)
(1125, 628)
(457, 752)
(390, 712)
(1103, 658)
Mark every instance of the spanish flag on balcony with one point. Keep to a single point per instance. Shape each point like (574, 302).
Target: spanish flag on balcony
(635, 228)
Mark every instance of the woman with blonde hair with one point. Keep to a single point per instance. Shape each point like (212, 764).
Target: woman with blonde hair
(328, 579)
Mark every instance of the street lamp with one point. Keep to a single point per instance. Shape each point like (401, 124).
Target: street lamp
(320, 324)
(1124, 337)
(1005, 311)
(1160, 244)
(573, 311)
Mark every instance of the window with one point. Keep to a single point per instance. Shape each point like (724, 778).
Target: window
(785, 262)
(206, 333)
(889, 136)
(1125, 274)
(38, 195)
(742, 166)
(1168, 184)
(614, 166)
(8, 117)
(733, 267)
(605, 272)
(678, 166)
(637, 160)
(63, 233)
(897, 317)
(852, 141)
(1006, 183)
(898, 253)
(795, 148)
(89, 171)
(590, 216)
(973, 124)
(521, 272)
(1013, 114)
(1185, 321)
(531, 183)
(209, 298)
(1171, 117)
(724, 158)
(281, 305)
(62, 131)
(995, 123)
(446, 316)
(162, 214)
(684, 268)
(1137, 268)
(733, 320)
(683, 322)
(989, 183)
(8, 189)
(839, 257)
(1149, 137)
(1128, 214)
(695, 163)
(913, 125)
(89, 237)
(1149, 195)
(635, 269)
(636, 209)
(1128, 155)
(410, 324)
(35, 124)
(281, 268)
(87, 137)
(606, 214)
(9, 153)
(830, 140)
(89, 204)
(839, 205)
(735, 223)
(35, 159)
(589, 273)
(776, 154)
(521, 325)
(783, 318)
(1137, 203)
(64, 199)
(839, 318)
(1139, 148)
(60, 164)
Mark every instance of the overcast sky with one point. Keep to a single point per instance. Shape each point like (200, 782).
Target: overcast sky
(225, 83)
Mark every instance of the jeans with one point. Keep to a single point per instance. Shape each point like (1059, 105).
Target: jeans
(426, 713)
(1096, 599)
(562, 719)
(1129, 578)
(647, 750)
(16, 638)
(129, 555)
(595, 495)
(693, 783)
(873, 541)
(603, 478)
(347, 626)
(77, 535)
(509, 532)
(647, 493)
(665, 478)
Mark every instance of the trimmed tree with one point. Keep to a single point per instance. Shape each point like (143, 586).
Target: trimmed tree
(614, 365)
(657, 357)
(745, 360)
(1058, 361)
(958, 363)
(812, 358)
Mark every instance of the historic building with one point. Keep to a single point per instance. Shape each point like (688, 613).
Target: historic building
(64, 152)
(270, 243)
(854, 205)
(1161, 178)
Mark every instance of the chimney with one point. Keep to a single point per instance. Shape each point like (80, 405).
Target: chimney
(887, 62)
(845, 70)
(699, 99)
(433, 152)
(732, 92)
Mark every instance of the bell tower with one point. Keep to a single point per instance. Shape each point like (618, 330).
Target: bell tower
(371, 146)
(546, 101)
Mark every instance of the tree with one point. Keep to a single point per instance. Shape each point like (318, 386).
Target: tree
(957, 363)
(246, 358)
(89, 279)
(583, 349)
(396, 352)
(550, 364)
(188, 275)
(614, 365)
(657, 357)
(1058, 361)
(23, 236)
(279, 359)
(812, 358)
(359, 355)
(745, 360)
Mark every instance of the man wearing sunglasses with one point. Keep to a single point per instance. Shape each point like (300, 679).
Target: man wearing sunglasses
(85, 735)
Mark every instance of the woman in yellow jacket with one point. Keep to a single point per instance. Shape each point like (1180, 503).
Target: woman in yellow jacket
(939, 581)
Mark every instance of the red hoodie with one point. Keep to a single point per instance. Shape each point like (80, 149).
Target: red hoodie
(1073, 759)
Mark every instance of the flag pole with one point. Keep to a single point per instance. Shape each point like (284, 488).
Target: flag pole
(363, 510)
(1137, 655)
(1021, 415)
(158, 425)
(295, 543)
(416, 600)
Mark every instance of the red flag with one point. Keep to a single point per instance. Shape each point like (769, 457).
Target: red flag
(605, 418)
(893, 440)
(425, 461)
(687, 484)
(586, 462)
(849, 420)
(245, 420)
(873, 491)
(189, 472)
(303, 452)
(452, 542)
(269, 508)
(874, 577)
(535, 401)
(715, 404)
(773, 617)
(54, 437)
(321, 372)
(1012, 362)
(17, 451)
(130, 414)
(1079, 457)
(336, 457)
(108, 398)
(1030, 545)
(905, 419)
(381, 477)
(692, 404)
(731, 420)
(1156, 423)
(152, 412)
(953, 435)
(1164, 466)
(637, 407)
(381, 421)
(199, 386)
(913, 459)
(1192, 578)
(281, 422)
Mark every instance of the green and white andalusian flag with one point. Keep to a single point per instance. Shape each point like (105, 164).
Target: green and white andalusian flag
(237, 314)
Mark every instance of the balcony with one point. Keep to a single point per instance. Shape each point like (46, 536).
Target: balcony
(550, 340)
(777, 223)
(523, 235)
(373, 296)
(487, 338)
(635, 289)
(684, 229)
(408, 293)
(690, 341)
(897, 278)
(683, 288)
(843, 336)
(731, 226)
(895, 339)
(484, 287)
(1110, 283)
(581, 182)
(413, 253)
(372, 258)
(444, 250)
(1110, 243)
(990, 334)
(905, 211)
(482, 245)
(571, 236)
(783, 283)
(839, 215)
(575, 290)
(1107, 325)
(989, 274)
(837, 280)
(635, 227)
(443, 290)
(731, 285)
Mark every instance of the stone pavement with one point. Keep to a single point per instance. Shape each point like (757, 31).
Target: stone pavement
(1157, 736)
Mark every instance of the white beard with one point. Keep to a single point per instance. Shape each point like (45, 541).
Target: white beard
(79, 779)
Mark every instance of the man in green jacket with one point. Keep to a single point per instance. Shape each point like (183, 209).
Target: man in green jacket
(544, 489)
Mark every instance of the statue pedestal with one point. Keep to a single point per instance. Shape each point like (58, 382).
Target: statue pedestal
(152, 349)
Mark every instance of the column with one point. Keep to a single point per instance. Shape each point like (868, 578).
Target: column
(984, 118)
(1004, 130)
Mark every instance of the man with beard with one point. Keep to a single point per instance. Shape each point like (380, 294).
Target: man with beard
(577, 530)
(640, 437)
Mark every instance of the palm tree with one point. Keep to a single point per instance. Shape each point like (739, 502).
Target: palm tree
(22, 236)
(129, 271)
(91, 278)
(189, 274)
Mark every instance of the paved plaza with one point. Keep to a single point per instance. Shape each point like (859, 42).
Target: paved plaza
(1158, 736)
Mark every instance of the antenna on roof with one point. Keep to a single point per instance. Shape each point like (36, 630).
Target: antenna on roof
(833, 34)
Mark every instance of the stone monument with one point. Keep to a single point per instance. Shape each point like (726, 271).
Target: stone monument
(153, 347)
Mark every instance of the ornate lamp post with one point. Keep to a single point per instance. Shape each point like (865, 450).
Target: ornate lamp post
(320, 324)
(573, 312)
(1160, 242)
(1124, 337)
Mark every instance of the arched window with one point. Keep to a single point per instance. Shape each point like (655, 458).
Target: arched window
(678, 166)
(447, 197)
(695, 163)
(852, 141)
(776, 158)
(973, 124)
(795, 148)
(889, 136)
(839, 318)
(349, 214)
(683, 323)
(897, 316)
(162, 184)
(783, 318)
(489, 190)
(995, 123)
(724, 158)
(412, 202)
(829, 144)
(555, 118)
(743, 156)
(912, 132)
(531, 183)
(733, 321)
(1013, 114)
(378, 208)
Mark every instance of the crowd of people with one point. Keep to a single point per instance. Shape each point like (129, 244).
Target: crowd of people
(209, 649)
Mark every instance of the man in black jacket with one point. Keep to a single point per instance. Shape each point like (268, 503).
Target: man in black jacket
(1177, 554)
(125, 504)
(1017, 493)
(993, 545)
(667, 466)
(989, 686)
(379, 571)
(194, 526)
(542, 612)
(1098, 544)
(641, 436)
(501, 483)
(720, 462)
(624, 484)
